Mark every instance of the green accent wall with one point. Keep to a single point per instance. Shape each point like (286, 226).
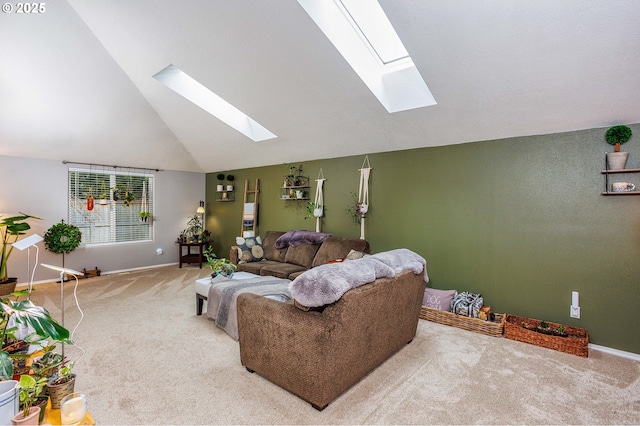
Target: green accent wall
(520, 220)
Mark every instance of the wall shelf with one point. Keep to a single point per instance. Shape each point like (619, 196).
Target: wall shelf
(607, 188)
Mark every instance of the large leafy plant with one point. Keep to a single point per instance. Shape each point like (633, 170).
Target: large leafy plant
(10, 230)
(30, 315)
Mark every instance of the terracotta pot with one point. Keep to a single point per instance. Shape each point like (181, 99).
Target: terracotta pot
(8, 286)
(32, 419)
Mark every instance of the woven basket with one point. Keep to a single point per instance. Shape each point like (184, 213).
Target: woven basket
(576, 343)
(57, 392)
(490, 328)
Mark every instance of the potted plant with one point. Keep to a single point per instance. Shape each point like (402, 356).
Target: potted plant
(30, 389)
(617, 135)
(220, 186)
(194, 228)
(560, 331)
(145, 216)
(544, 328)
(25, 312)
(293, 178)
(230, 178)
(219, 266)
(62, 383)
(10, 230)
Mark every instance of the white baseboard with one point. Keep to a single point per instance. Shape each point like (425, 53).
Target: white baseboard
(617, 352)
(121, 271)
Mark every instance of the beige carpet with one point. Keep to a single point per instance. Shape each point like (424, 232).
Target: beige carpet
(150, 360)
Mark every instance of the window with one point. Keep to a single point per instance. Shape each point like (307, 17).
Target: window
(107, 205)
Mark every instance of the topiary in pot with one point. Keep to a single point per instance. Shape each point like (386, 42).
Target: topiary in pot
(616, 136)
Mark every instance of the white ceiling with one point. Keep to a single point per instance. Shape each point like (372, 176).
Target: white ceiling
(76, 81)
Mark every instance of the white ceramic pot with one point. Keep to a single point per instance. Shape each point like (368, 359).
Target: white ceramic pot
(219, 188)
(9, 399)
(617, 160)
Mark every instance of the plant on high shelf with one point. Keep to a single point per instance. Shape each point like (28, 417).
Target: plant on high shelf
(11, 228)
(230, 179)
(219, 266)
(294, 177)
(220, 186)
(30, 390)
(617, 135)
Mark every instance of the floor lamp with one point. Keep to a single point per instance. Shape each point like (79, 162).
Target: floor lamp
(27, 243)
(63, 272)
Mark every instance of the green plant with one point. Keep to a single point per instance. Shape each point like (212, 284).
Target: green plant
(618, 135)
(355, 209)
(145, 214)
(62, 238)
(310, 208)
(48, 364)
(293, 178)
(219, 266)
(194, 226)
(544, 324)
(30, 389)
(220, 177)
(128, 197)
(28, 314)
(10, 230)
(231, 178)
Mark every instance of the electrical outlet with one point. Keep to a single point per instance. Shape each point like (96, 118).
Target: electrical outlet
(575, 312)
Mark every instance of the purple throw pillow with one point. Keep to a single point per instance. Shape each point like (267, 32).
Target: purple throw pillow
(438, 299)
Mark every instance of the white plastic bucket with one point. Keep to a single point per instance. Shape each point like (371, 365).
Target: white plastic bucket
(9, 399)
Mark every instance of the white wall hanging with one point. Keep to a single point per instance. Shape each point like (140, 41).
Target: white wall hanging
(318, 203)
(363, 193)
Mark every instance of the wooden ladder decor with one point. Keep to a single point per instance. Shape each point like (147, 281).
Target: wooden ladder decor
(250, 209)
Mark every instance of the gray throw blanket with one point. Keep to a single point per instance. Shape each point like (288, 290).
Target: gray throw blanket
(403, 259)
(326, 284)
(221, 301)
(295, 238)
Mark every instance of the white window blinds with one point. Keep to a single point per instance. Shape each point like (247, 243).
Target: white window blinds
(111, 206)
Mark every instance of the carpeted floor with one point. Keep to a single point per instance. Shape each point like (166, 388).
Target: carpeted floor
(150, 360)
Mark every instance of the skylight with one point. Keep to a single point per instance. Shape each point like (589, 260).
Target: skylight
(363, 35)
(186, 86)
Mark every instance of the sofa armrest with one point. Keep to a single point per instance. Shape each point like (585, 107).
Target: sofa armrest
(233, 255)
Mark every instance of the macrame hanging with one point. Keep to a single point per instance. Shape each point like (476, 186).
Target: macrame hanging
(363, 193)
(318, 204)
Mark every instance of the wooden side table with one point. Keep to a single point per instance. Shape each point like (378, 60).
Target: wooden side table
(190, 257)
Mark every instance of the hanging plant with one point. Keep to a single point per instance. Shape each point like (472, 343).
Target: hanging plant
(62, 238)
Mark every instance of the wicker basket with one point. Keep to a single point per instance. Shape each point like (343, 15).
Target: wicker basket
(490, 328)
(522, 330)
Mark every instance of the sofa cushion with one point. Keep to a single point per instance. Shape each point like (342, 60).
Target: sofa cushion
(270, 250)
(249, 249)
(302, 255)
(338, 248)
(281, 270)
(438, 299)
(255, 267)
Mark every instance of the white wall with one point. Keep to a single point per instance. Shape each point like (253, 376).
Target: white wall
(39, 188)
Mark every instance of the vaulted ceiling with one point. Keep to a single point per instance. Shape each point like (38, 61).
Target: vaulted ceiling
(76, 80)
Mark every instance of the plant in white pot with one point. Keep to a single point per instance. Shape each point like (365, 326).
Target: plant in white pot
(220, 186)
(616, 136)
(230, 179)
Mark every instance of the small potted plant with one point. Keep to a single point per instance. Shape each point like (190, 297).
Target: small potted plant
(62, 383)
(220, 186)
(544, 328)
(230, 178)
(560, 331)
(11, 228)
(145, 216)
(219, 266)
(617, 135)
(30, 389)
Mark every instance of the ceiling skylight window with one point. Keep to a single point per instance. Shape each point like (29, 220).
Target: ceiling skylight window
(363, 35)
(186, 86)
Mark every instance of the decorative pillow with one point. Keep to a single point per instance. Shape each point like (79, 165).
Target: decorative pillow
(438, 299)
(354, 254)
(249, 249)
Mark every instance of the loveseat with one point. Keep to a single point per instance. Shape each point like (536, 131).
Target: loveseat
(319, 352)
(291, 261)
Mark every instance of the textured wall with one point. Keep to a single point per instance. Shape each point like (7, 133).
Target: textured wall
(521, 221)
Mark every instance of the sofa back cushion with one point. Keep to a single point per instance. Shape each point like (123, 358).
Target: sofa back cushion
(268, 245)
(338, 248)
(302, 255)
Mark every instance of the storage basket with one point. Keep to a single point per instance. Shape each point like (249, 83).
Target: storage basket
(523, 330)
(490, 328)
